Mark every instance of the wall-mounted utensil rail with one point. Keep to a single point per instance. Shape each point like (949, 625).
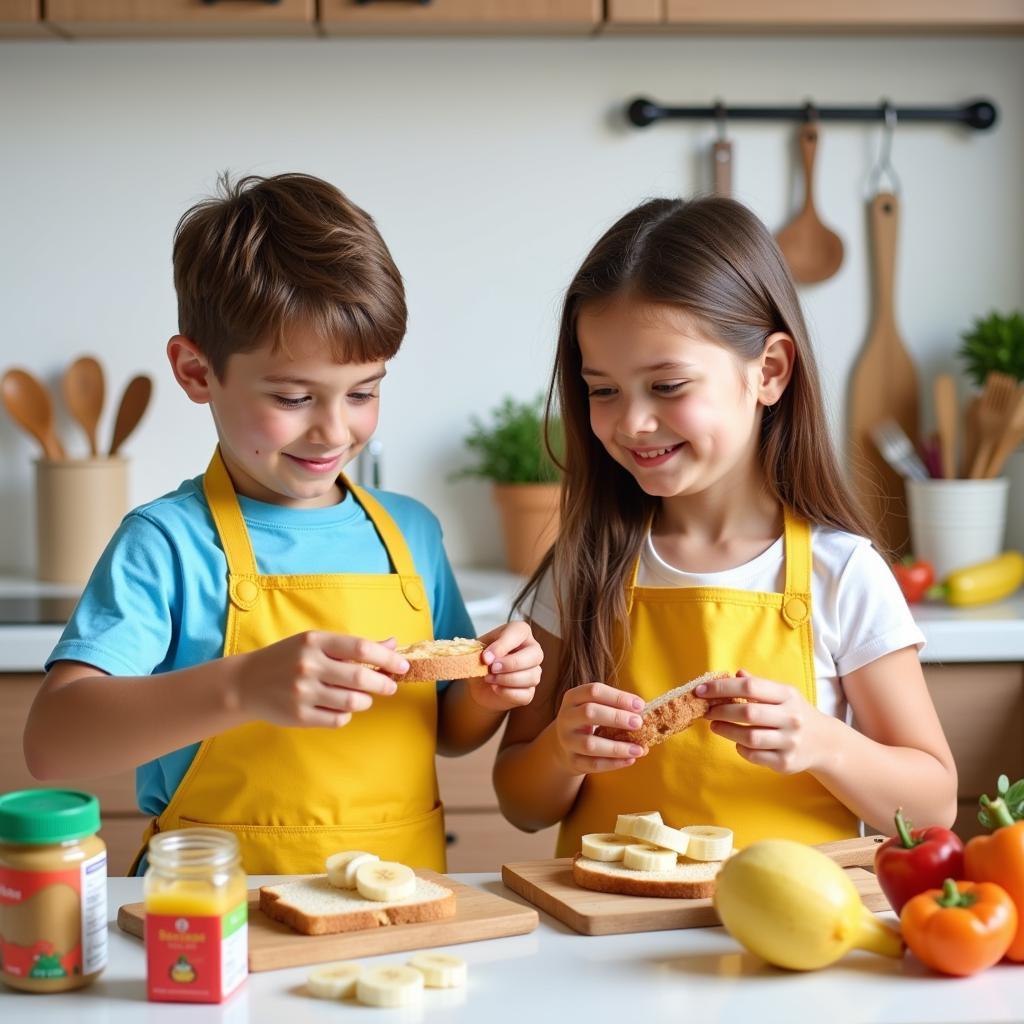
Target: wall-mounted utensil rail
(979, 114)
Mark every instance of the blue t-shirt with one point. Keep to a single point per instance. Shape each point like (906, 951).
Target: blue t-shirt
(157, 599)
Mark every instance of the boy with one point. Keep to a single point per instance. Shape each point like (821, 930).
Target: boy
(224, 641)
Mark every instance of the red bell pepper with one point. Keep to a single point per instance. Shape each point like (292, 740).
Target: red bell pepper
(915, 578)
(914, 861)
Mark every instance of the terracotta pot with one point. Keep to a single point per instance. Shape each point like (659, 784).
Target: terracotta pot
(529, 519)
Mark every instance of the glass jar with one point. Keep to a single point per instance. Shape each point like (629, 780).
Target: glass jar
(53, 890)
(196, 916)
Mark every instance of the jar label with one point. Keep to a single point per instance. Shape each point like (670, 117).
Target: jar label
(53, 924)
(196, 959)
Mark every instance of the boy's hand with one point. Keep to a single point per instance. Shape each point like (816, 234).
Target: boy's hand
(776, 728)
(513, 657)
(317, 679)
(583, 709)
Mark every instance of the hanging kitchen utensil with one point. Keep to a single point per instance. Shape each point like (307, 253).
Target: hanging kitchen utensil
(721, 155)
(994, 411)
(29, 405)
(83, 387)
(133, 404)
(944, 393)
(812, 251)
(884, 381)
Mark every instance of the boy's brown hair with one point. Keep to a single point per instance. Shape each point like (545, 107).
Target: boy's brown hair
(267, 253)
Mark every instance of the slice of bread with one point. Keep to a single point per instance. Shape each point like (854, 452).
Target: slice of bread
(668, 714)
(442, 659)
(313, 906)
(688, 880)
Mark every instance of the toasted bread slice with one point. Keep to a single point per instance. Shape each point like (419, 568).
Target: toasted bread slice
(668, 714)
(313, 906)
(442, 659)
(688, 880)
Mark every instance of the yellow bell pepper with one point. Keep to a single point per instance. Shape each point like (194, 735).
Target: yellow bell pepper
(986, 582)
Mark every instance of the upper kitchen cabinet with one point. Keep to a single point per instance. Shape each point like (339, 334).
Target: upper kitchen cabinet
(22, 18)
(453, 17)
(182, 17)
(787, 16)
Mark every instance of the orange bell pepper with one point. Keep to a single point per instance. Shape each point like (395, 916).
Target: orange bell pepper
(961, 928)
(999, 857)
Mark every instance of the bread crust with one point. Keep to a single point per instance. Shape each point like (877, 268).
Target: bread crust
(670, 717)
(274, 906)
(674, 888)
(440, 665)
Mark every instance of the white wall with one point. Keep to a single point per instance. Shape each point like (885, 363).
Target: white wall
(491, 166)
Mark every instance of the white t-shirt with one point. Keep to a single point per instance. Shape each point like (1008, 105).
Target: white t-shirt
(858, 613)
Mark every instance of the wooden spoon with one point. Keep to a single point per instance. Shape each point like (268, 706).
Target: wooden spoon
(83, 387)
(945, 417)
(1012, 436)
(29, 404)
(812, 251)
(133, 404)
(994, 411)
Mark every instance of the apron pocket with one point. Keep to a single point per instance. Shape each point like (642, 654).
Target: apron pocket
(303, 849)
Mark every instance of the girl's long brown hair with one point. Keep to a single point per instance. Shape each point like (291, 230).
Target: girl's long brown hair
(714, 259)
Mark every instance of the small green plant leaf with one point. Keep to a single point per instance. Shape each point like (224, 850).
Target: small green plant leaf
(994, 344)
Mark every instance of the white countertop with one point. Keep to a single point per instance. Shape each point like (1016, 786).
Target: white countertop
(697, 975)
(992, 632)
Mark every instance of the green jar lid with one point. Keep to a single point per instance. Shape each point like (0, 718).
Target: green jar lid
(47, 816)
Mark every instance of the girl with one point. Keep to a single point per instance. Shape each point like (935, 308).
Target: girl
(706, 526)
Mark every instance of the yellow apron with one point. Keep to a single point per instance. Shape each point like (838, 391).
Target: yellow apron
(696, 777)
(294, 795)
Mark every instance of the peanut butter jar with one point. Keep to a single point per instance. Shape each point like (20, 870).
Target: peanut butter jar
(53, 890)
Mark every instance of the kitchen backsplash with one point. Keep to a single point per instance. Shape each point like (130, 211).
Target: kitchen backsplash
(491, 166)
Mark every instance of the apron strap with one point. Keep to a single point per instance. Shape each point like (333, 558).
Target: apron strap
(227, 518)
(796, 601)
(394, 542)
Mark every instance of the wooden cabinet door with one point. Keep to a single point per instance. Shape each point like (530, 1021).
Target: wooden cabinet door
(846, 15)
(182, 17)
(22, 18)
(413, 17)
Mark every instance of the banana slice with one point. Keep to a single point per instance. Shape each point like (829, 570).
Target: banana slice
(333, 981)
(341, 867)
(657, 834)
(385, 880)
(440, 970)
(708, 842)
(604, 846)
(390, 986)
(643, 857)
(625, 823)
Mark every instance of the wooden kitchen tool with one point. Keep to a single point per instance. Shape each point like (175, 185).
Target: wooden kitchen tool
(1011, 437)
(29, 405)
(83, 387)
(883, 386)
(994, 412)
(134, 402)
(273, 945)
(944, 393)
(812, 251)
(721, 167)
(548, 885)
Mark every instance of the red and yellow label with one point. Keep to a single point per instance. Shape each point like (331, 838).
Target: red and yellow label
(196, 959)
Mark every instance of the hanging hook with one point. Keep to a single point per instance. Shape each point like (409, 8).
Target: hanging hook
(883, 165)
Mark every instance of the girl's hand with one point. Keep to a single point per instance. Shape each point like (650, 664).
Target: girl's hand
(583, 709)
(777, 729)
(317, 678)
(513, 657)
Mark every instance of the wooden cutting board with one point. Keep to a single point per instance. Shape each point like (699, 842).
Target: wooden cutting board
(272, 945)
(883, 386)
(548, 884)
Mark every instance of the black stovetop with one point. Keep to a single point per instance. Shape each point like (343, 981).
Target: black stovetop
(36, 611)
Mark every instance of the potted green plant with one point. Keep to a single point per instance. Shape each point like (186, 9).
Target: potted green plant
(510, 452)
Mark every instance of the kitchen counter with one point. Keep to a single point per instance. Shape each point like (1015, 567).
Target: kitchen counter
(993, 633)
(553, 974)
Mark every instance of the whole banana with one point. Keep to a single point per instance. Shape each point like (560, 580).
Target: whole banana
(792, 906)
